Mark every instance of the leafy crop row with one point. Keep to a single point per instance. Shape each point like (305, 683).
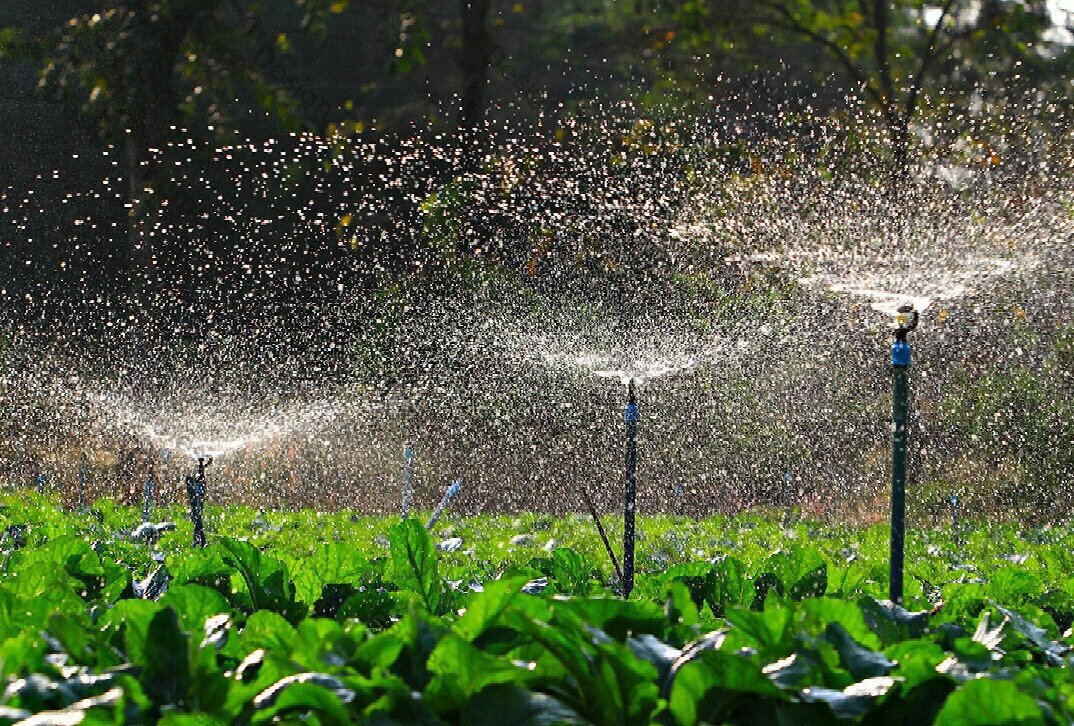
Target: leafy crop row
(387, 629)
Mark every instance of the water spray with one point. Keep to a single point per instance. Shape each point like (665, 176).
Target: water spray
(905, 322)
(408, 477)
(630, 495)
(448, 496)
(195, 492)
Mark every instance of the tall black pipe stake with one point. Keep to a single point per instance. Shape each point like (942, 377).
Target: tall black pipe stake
(954, 520)
(82, 482)
(147, 499)
(195, 492)
(900, 364)
(408, 477)
(630, 495)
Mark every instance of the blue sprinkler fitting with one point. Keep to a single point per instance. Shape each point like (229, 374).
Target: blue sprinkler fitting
(631, 411)
(900, 353)
(906, 322)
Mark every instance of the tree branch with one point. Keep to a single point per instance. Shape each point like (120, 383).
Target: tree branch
(880, 49)
(793, 25)
(927, 58)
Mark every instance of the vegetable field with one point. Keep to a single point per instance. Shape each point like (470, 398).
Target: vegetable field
(331, 618)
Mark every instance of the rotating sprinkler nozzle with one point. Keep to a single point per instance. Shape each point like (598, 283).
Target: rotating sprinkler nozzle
(195, 492)
(630, 494)
(905, 322)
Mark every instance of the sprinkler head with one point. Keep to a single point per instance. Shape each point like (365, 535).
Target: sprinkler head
(906, 319)
(631, 398)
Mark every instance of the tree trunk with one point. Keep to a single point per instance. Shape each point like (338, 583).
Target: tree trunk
(152, 110)
(474, 61)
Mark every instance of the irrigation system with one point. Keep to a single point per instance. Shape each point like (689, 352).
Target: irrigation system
(905, 322)
(408, 477)
(630, 495)
(195, 491)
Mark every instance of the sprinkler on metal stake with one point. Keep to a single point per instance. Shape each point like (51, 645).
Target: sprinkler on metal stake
(165, 481)
(408, 477)
(906, 321)
(954, 519)
(630, 494)
(82, 482)
(195, 492)
(147, 500)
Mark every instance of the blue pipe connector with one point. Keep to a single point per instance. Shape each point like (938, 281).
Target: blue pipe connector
(900, 353)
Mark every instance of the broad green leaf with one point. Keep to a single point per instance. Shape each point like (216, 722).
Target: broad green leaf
(306, 698)
(854, 701)
(461, 670)
(414, 563)
(860, 661)
(165, 665)
(614, 616)
(194, 604)
(915, 661)
(266, 578)
(987, 701)
(484, 608)
(334, 563)
(709, 687)
(374, 608)
(769, 630)
(510, 705)
(728, 585)
(892, 623)
(268, 630)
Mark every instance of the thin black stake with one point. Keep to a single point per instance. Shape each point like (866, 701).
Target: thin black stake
(630, 494)
(900, 362)
(195, 491)
(603, 534)
(408, 477)
(147, 500)
(82, 482)
(954, 520)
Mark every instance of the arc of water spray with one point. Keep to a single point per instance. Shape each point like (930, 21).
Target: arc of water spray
(448, 496)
